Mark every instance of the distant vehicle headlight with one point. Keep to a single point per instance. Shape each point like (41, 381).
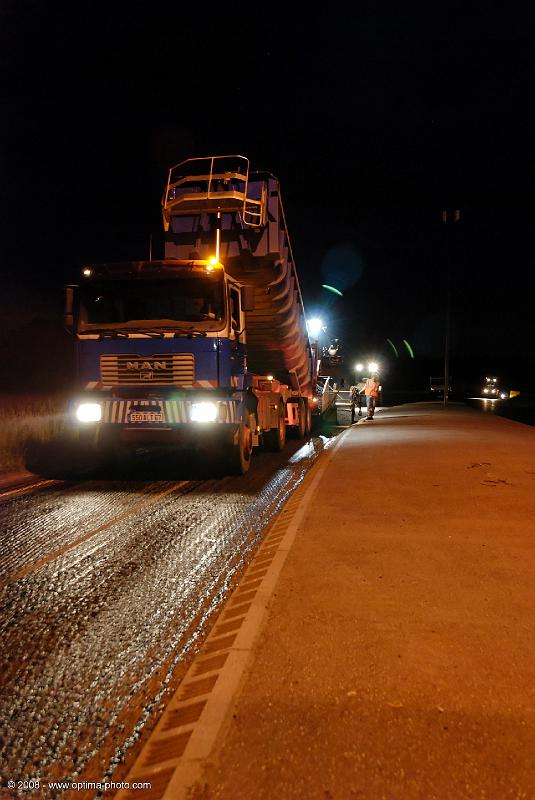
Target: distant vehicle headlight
(485, 391)
(503, 395)
(89, 412)
(203, 412)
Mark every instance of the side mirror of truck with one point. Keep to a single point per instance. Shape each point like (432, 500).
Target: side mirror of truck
(247, 298)
(68, 316)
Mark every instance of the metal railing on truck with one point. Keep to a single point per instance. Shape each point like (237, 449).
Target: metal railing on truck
(212, 185)
(326, 394)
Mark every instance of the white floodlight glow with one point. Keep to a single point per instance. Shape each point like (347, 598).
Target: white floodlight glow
(373, 366)
(359, 367)
(89, 412)
(314, 326)
(87, 272)
(203, 412)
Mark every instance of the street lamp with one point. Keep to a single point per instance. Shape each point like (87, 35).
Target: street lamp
(447, 217)
(314, 327)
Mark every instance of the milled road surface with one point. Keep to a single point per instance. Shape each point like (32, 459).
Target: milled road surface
(104, 588)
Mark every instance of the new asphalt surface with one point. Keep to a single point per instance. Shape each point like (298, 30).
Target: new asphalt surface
(398, 657)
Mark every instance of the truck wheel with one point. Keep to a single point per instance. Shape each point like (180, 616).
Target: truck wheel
(62, 458)
(308, 418)
(301, 428)
(275, 439)
(240, 454)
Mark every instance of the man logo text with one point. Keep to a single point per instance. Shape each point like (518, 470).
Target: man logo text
(146, 366)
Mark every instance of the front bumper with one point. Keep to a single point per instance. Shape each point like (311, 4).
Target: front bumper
(151, 413)
(158, 422)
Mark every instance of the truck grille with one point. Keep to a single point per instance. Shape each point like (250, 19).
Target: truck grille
(171, 369)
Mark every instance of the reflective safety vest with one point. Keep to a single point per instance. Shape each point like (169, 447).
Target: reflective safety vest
(372, 388)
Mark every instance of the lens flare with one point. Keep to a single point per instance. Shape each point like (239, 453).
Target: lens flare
(409, 348)
(332, 289)
(393, 346)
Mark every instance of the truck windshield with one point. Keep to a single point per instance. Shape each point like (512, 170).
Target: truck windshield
(158, 302)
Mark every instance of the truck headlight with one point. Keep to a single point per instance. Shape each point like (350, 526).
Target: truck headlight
(89, 412)
(203, 412)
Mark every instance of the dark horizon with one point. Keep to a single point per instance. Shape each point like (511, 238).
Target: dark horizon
(374, 122)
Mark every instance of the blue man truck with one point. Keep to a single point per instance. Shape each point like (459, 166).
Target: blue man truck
(206, 349)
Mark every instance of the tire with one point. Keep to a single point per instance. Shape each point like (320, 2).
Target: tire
(240, 454)
(63, 458)
(275, 439)
(301, 429)
(308, 418)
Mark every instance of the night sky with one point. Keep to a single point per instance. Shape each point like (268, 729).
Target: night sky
(375, 117)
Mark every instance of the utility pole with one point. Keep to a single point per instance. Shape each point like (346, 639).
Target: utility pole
(448, 217)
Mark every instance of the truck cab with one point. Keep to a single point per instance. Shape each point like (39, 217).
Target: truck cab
(191, 312)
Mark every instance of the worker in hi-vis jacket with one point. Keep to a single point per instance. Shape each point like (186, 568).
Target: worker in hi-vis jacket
(372, 388)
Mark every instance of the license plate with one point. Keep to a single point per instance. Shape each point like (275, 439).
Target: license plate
(146, 416)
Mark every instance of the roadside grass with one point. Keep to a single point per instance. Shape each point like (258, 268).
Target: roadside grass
(23, 419)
